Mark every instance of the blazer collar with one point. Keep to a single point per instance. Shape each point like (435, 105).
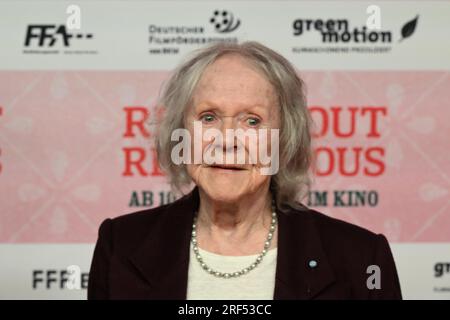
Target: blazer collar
(163, 257)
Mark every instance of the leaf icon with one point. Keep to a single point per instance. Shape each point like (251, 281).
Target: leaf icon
(408, 28)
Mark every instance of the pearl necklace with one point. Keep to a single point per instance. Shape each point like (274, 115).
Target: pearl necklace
(228, 275)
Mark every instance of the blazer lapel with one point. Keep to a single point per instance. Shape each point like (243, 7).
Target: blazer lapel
(303, 270)
(163, 258)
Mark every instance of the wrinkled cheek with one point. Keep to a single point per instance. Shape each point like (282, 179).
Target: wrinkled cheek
(193, 171)
(256, 153)
(268, 149)
(199, 146)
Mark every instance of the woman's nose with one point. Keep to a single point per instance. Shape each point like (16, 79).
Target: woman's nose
(227, 123)
(228, 127)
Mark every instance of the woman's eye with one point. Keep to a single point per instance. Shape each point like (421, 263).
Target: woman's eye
(207, 118)
(253, 122)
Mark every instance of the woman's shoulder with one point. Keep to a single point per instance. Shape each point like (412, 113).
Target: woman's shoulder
(136, 218)
(336, 234)
(129, 230)
(352, 252)
(143, 218)
(331, 225)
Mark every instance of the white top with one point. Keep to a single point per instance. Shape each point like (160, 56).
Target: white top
(258, 284)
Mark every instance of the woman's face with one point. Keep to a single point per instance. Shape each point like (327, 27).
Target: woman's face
(231, 94)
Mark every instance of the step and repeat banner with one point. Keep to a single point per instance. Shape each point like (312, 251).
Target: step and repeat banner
(78, 78)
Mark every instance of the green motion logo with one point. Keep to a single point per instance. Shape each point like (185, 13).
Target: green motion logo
(334, 31)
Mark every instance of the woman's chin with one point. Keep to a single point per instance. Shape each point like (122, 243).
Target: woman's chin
(227, 186)
(225, 190)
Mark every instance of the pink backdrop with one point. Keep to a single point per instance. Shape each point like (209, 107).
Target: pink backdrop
(63, 159)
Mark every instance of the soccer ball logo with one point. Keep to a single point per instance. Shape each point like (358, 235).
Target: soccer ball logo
(224, 21)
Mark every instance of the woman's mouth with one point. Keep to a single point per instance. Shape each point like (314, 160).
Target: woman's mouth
(229, 168)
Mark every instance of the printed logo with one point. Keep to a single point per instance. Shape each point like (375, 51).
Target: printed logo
(224, 21)
(52, 38)
(339, 36)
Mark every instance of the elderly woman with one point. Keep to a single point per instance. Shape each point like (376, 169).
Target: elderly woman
(239, 233)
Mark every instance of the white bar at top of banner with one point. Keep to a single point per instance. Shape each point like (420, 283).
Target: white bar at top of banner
(422, 268)
(120, 33)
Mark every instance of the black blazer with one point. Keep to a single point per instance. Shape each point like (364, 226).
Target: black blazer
(145, 255)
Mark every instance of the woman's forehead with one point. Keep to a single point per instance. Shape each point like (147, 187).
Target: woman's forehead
(233, 71)
(234, 90)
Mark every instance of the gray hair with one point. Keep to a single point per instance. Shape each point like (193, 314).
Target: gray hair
(292, 182)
